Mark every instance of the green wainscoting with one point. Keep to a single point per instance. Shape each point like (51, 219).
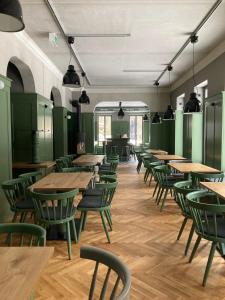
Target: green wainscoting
(163, 136)
(223, 132)
(60, 131)
(5, 144)
(146, 131)
(72, 129)
(119, 128)
(32, 127)
(179, 132)
(87, 121)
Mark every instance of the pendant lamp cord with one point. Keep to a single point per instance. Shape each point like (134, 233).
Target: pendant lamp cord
(170, 88)
(193, 63)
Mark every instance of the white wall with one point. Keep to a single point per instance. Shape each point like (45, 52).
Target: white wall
(148, 96)
(45, 73)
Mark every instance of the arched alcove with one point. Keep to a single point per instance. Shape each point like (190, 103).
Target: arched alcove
(56, 97)
(20, 73)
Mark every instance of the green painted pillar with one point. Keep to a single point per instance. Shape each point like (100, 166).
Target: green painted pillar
(223, 134)
(60, 131)
(5, 144)
(179, 132)
(146, 131)
(197, 137)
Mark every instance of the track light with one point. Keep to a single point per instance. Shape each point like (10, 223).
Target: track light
(11, 18)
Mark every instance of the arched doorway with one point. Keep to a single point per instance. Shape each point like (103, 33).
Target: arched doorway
(55, 96)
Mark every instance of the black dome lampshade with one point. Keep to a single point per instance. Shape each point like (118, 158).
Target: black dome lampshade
(168, 115)
(156, 118)
(121, 113)
(145, 118)
(84, 99)
(71, 78)
(11, 17)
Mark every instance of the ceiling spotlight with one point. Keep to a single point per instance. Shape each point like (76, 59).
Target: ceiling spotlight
(11, 17)
(156, 83)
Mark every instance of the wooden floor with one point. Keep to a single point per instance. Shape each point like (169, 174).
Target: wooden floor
(146, 240)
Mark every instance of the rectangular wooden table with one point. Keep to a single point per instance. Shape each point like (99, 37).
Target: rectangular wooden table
(192, 167)
(27, 165)
(168, 157)
(20, 270)
(89, 159)
(63, 181)
(156, 151)
(216, 187)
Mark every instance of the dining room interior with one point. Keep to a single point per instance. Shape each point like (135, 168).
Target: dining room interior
(112, 149)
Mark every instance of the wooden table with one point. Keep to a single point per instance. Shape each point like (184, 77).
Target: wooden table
(216, 187)
(20, 270)
(192, 167)
(168, 157)
(156, 151)
(89, 159)
(26, 165)
(63, 181)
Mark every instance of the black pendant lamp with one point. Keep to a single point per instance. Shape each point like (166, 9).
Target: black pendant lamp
(84, 99)
(11, 17)
(145, 118)
(71, 78)
(121, 113)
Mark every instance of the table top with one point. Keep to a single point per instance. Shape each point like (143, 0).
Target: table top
(169, 157)
(63, 181)
(216, 187)
(156, 151)
(27, 165)
(89, 159)
(20, 269)
(192, 167)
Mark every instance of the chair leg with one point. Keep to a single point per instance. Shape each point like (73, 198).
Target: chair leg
(209, 263)
(81, 224)
(105, 227)
(195, 248)
(164, 199)
(189, 238)
(110, 216)
(68, 239)
(21, 217)
(85, 220)
(108, 220)
(74, 231)
(182, 228)
(160, 195)
(155, 189)
(150, 180)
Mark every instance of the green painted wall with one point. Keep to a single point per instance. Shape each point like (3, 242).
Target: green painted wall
(179, 132)
(146, 131)
(163, 136)
(36, 112)
(223, 133)
(60, 131)
(197, 137)
(119, 128)
(5, 145)
(87, 121)
(72, 129)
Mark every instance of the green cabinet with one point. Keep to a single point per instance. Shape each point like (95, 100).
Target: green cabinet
(60, 131)
(32, 127)
(5, 144)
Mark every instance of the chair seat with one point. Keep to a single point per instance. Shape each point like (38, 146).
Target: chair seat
(59, 214)
(25, 204)
(93, 192)
(90, 202)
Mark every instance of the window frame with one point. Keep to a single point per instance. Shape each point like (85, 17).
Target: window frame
(100, 142)
(136, 115)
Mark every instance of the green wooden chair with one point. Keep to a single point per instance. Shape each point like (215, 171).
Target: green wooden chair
(107, 172)
(198, 177)
(208, 213)
(54, 209)
(61, 163)
(70, 158)
(16, 195)
(23, 234)
(31, 177)
(181, 189)
(78, 169)
(115, 266)
(99, 203)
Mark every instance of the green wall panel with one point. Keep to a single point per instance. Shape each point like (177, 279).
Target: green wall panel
(179, 132)
(72, 129)
(119, 128)
(146, 131)
(87, 120)
(5, 145)
(60, 131)
(197, 137)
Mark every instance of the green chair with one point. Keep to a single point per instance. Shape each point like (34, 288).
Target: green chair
(151, 170)
(15, 193)
(55, 209)
(61, 163)
(78, 169)
(70, 158)
(208, 213)
(31, 177)
(181, 189)
(198, 177)
(23, 234)
(119, 288)
(99, 203)
(107, 172)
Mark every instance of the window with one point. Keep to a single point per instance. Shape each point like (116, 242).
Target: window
(104, 128)
(136, 130)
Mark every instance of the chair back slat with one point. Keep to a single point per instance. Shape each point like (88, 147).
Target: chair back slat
(105, 285)
(31, 177)
(93, 282)
(198, 177)
(114, 290)
(108, 188)
(181, 189)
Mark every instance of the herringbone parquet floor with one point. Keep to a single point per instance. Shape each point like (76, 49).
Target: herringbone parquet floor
(146, 240)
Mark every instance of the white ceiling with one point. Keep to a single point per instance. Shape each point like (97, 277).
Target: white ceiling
(158, 29)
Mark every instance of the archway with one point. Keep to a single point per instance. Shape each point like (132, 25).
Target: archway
(56, 97)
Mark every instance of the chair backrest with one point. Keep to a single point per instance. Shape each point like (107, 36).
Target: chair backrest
(31, 177)
(198, 177)
(115, 265)
(181, 189)
(107, 172)
(161, 173)
(52, 208)
(108, 185)
(60, 164)
(77, 169)
(22, 234)
(112, 157)
(113, 164)
(70, 158)
(14, 191)
(208, 213)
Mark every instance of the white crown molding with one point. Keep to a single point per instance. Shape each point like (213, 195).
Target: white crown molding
(24, 38)
(216, 52)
